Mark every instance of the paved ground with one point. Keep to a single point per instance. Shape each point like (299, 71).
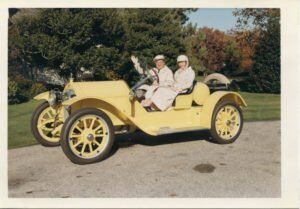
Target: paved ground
(181, 165)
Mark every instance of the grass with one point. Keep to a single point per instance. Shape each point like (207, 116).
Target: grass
(19, 116)
(260, 107)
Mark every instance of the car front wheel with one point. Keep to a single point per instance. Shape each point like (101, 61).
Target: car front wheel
(87, 136)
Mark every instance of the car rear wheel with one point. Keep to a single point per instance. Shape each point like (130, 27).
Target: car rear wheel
(44, 126)
(87, 136)
(227, 122)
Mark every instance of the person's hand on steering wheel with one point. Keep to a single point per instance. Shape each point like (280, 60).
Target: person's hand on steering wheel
(154, 76)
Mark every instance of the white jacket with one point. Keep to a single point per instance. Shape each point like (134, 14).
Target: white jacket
(164, 96)
(184, 79)
(165, 76)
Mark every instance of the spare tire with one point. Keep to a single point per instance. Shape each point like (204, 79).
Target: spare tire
(216, 77)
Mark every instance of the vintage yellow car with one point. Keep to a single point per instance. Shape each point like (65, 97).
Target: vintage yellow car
(85, 116)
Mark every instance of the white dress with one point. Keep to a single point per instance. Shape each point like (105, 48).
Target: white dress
(165, 76)
(164, 96)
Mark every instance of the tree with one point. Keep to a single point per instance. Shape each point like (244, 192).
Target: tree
(195, 50)
(266, 69)
(68, 39)
(211, 50)
(150, 32)
(232, 58)
(265, 72)
(255, 18)
(246, 42)
(205, 46)
(213, 44)
(100, 40)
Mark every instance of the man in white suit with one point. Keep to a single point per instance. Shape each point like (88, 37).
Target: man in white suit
(163, 74)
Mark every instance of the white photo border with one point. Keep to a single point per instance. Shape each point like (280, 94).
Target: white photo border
(290, 25)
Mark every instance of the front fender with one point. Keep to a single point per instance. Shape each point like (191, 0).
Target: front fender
(211, 102)
(72, 101)
(114, 112)
(41, 96)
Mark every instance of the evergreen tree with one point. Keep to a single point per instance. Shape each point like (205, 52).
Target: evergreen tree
(150, 32)
(265, 74)
(100, 40)
(69, 39)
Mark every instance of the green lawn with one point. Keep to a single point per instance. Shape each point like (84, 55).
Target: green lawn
(260, 107)
(19, 117)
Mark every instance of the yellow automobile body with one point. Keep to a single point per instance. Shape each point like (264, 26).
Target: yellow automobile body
(84, 118)
(189, 112)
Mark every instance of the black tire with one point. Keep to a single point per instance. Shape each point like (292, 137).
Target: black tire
(215, 136)
(65, 136)
(34, 130)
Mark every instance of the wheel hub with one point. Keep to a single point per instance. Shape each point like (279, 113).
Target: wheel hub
(90, 137)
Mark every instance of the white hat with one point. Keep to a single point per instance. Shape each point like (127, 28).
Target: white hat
(183, 58)
(158, 57)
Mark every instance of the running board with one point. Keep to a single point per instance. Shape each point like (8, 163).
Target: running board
(168, 130)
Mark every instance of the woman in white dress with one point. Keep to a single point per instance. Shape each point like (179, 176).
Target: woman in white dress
(183, 80)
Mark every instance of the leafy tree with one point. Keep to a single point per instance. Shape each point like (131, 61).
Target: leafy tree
(211, 50)
(256, 18)
(213, 44)
(195, 50)
(265, 73)
(232, 58)
(246, 42)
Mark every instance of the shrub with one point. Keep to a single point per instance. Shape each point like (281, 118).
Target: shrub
(24, 85)
(35, 89)
(13, 91)
(21, 89)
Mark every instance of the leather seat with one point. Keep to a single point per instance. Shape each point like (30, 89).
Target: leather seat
(190, 90)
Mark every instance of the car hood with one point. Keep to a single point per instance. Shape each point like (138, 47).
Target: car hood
(99, 88)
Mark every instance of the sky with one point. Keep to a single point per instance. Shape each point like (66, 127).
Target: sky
(221, 19)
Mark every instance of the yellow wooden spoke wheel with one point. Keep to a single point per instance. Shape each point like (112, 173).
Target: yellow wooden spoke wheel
(45, 125)
(87, 136)
(227, 122)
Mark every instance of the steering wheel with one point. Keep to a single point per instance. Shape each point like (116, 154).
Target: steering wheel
(153, 75)
(150, 74)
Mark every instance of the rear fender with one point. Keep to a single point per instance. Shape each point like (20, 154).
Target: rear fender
(211, 102)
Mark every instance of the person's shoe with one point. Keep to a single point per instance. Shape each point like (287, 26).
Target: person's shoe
(150, 109)
(146, 103)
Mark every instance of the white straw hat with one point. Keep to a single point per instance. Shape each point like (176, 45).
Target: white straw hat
(158, 57)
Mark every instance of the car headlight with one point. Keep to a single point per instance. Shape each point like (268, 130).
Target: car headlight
(68, 94)
(54, 97)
